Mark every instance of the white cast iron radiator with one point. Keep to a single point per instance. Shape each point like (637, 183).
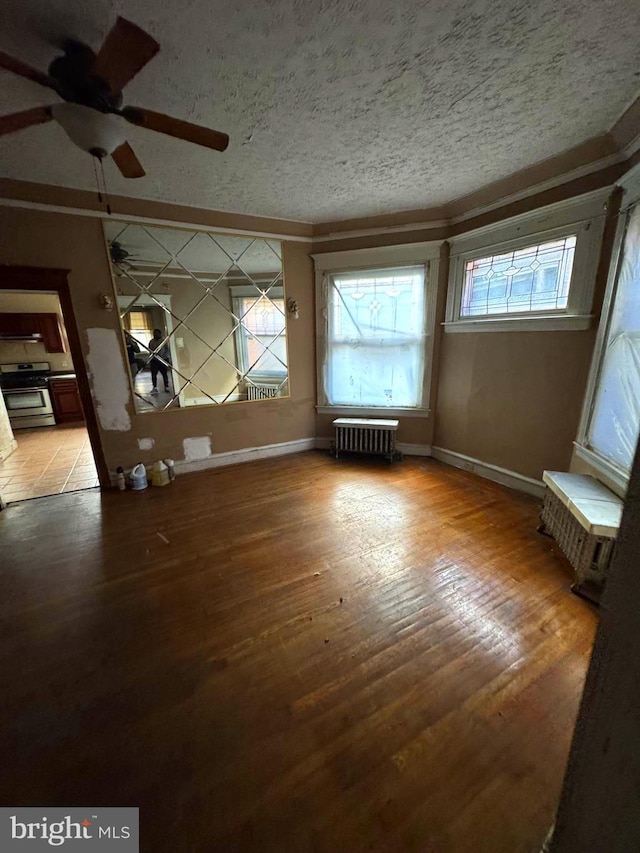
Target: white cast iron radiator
(366, 435)
(262, 392)
(583, 516)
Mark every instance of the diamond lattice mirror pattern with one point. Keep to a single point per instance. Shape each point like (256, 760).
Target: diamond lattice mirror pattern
(202, 315)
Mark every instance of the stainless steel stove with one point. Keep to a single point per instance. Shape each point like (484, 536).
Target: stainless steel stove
(25, 388)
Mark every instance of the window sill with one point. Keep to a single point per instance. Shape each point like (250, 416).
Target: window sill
(372, 412)
(612, 476)
(561, 323)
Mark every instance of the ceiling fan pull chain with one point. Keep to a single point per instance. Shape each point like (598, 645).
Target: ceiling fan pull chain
(103, 195)
(95, 172)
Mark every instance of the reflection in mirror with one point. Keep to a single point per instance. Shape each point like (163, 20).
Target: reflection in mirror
(202, 314)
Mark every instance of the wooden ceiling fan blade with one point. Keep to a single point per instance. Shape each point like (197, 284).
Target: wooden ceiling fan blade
(176, 127)
(125, 52)
(16, 121)
(17, 66)
(126, 160)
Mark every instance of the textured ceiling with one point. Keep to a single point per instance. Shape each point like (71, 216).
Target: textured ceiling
(337, 109)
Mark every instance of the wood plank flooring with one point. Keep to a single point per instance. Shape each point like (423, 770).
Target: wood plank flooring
(326, 656)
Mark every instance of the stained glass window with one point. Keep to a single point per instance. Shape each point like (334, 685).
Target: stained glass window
(533, 279)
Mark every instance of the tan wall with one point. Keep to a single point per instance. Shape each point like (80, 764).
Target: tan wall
(33, 303)
(513, 399)
(35, 238)
(508, 399)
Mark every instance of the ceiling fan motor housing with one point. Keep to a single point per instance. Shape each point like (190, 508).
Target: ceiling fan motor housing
(74, 81)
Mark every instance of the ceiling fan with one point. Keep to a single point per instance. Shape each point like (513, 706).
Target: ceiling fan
(120, 257)
(91, 87)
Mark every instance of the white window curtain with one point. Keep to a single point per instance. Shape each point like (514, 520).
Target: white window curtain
(615, 417)
(375, 331)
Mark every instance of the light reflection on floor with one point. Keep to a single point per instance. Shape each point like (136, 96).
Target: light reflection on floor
(458, 591)
(380, 508)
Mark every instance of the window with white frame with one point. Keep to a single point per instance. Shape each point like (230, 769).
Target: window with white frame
(375, 340)
(532, 279)
(533, 272)
(611, 418)
(375, 324)
(260, 340)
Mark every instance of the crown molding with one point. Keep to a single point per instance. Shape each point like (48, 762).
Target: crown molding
(604, 158)
(148, 220)
(473, 213)
(74, 202)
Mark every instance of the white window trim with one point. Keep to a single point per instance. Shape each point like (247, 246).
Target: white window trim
(237, 292)
(583, 216)
(611, 473)
(615, 478)
(378, 257)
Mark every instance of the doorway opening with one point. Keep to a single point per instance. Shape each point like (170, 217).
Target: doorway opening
(48, 431)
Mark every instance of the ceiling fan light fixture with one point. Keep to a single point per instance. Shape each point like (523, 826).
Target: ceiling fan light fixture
(91, 84)
(98, 133)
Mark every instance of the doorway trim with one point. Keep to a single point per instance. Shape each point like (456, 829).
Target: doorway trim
(55, 280)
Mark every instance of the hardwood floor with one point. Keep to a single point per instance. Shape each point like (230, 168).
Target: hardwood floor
(297, 654)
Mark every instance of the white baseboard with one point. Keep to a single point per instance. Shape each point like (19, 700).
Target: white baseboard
(414, 449)
(405, 449)
(247, 454)
(490, 472)
(457, 460)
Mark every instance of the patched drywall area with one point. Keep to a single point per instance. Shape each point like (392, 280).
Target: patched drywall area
(428, 100)
(196, 448)
(109, 384)
(145, 443)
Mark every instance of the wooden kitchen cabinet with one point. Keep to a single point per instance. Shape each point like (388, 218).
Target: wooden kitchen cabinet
(65, 398)
(23, 324)
(18, 324)
(49, 328)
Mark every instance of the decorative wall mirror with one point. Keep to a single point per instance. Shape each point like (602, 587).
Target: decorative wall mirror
(202, 315)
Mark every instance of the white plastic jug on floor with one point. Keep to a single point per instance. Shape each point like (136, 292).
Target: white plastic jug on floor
(139, 477)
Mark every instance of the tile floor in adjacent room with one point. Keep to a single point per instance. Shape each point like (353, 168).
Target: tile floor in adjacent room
(48, 460)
